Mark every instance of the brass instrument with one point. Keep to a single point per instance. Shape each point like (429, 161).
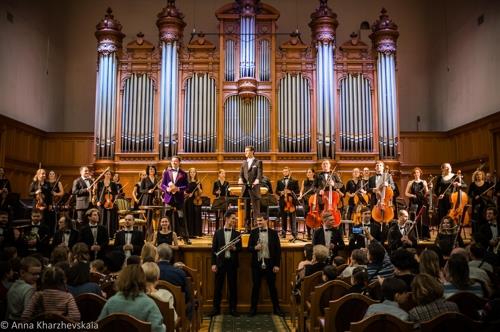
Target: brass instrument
(228, 245)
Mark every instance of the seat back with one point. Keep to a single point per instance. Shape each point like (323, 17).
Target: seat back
(109, 288)
(123, 322)
(450, 321)
(340, 268)
(321, 297)
(306, 287)
(375, 290)
(349, 308)
(468, 303)
(90, 306)
(381, 322)
(179, 301)
(166, 312)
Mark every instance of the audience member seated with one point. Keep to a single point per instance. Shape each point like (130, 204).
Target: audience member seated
(129, 240)
(338, 261)
(65, 235)
(476, 273)
(59, 254)
(379, 263)
(404, 263)
(53, 297)
(319, 260)
(22, 290)
(149, 253)
(132, 299)
(308, 253)
(134, 259)
(78, 277)
(152, 273)
(457, 277)
(113, 260)
(329, 273)
(428, 293)
(477, 258)
(392, 290)
(359, 281)
(358, 258)
(429, 264)
(168, 272)
(97, 266)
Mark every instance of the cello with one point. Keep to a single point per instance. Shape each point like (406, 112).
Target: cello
(313, 218)
(459, 200)
(383, 211)
(331, 201)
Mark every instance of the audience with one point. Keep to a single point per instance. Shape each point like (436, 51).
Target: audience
(358, 258)
(132, 299)
(359, 281)
(428, 293)
(429, 264)
(329, 273)
(404, 263)
(379, 263)
(21, 291)
(149, 253)
(152, 273)
(308, 254)
(457, 277)
(392, 290)
(53, 297)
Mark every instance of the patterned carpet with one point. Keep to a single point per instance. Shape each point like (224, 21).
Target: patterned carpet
(258, 323)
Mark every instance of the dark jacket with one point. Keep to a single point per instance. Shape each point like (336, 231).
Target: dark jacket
(137, 241)
(274, 247)
(218, 242)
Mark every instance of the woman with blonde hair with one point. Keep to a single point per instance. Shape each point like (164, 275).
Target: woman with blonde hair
(429, 264)
(478, 201)
(132, 299)
(149, 253)
(152, 273)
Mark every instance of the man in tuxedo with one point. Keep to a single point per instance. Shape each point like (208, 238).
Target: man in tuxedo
(377, 182)
(401, 233)
(94, 235)
(251, 178)
(489, 230)
(128, 240)
(82, 191)
(37, 236)
(226, 263)
(264, 244)
(288, 188)
(326, 180)
(363, 234)
(174, 184)
(328, 236)
(65, 234)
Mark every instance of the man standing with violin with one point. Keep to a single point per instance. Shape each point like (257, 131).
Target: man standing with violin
(82, 191)
(174, 183)
(287, 189)
(251, 178)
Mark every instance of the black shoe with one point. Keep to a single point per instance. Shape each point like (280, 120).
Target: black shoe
(234, 313)
(293, 239)
(213, 313)
(187, 241)
(252, 313)
(279, 313)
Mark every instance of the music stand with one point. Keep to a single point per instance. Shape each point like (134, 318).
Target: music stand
(238, 190)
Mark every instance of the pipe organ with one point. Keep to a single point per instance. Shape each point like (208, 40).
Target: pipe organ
(207, 101)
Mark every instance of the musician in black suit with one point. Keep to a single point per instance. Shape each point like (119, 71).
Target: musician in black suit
(226, 263)
(362, 235)
(401, 233)
(37, 236)
(489, 230)
(65, 234)
(128, 240)
(328, 235)
(94, 235)
(220, 190)
(251, 177)
(378, 181)
(288, 188)
(326, 180)
(81, 190)
(264, 244)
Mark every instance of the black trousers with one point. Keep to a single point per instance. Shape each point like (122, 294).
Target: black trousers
(257, 274)
(228, 269)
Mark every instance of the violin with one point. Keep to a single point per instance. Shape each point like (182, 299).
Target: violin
(459, 200)
(313, 218)
(108, 200)
(40, 199)
(383, 211)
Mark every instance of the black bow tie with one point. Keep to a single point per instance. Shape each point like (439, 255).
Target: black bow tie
(35, 226)
(227, 229)
(175, 170)
(493, 225)
(128, 232)
(67, 232)
(92, 227)
(328, 230)
(263, 230)
(285, 179)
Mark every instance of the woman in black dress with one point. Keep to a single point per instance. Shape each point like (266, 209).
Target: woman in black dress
(41, 193)
(147, 193)
(416, 190)
(478, 200)
(105, 201)
(220, 190)
(166, 235)
(136, 192)
(192, 204)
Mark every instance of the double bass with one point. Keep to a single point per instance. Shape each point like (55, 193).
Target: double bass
(383, 211)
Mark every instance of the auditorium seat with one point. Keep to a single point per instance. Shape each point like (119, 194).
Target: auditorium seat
(450, 321)
(321, 297)
(468, 303)
(382, 322)
(342, 312)
(90, 306)
(306, 286)
(123, 322)
(179, 302)
(168, 314)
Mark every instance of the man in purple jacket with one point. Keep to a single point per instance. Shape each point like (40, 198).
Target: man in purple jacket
(174, 183)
